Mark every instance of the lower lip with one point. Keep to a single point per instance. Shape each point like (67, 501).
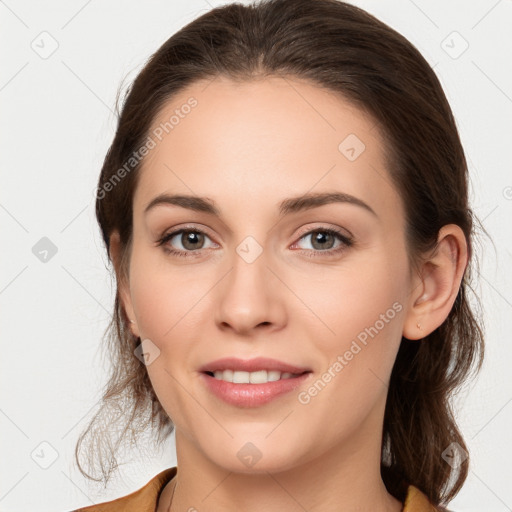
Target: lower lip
(251, 395)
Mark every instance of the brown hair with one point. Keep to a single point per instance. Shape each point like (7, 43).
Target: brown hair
(344, 49)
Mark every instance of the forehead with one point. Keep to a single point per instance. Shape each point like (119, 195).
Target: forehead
(264, 140)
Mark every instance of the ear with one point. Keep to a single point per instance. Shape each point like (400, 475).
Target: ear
(123, 284)
(435, 290)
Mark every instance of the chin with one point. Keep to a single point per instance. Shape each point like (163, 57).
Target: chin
(253, 457)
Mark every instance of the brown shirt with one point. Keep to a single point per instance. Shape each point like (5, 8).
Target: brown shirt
(146, 498)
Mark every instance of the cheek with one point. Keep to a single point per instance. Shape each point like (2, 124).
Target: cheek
(357, 340)
(353, 297)
(164, 303)
(169, 306)
(357, 313)
(162, 297)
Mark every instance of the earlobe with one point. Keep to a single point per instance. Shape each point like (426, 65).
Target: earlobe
(115, 253)
(432, 298)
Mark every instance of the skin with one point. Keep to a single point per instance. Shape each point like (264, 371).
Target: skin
(247, 147)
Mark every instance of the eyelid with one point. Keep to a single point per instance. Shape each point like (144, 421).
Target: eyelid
(186, 227)
(322, 226)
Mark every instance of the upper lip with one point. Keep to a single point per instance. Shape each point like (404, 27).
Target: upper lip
(251, 365)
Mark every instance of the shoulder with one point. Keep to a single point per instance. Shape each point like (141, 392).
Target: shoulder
(146, 498)
(416, 501)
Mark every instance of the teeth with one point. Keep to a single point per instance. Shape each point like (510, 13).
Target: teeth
(259, 377)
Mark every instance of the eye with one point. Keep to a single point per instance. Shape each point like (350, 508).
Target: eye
(188, 240)
(323, 241)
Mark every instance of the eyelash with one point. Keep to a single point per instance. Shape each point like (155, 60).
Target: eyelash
(346, 242)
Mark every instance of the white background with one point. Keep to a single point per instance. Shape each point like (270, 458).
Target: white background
(57, 122)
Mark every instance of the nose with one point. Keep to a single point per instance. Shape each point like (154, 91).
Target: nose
(250, 296)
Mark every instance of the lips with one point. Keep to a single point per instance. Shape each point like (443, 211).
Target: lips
(252, 365)
(253, 395)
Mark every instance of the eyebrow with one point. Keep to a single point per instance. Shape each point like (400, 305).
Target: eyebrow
(286, 207)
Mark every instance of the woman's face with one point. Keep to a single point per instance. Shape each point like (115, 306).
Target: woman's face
(260, 279)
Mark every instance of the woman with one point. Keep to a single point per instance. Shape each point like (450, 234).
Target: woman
(296, 376)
